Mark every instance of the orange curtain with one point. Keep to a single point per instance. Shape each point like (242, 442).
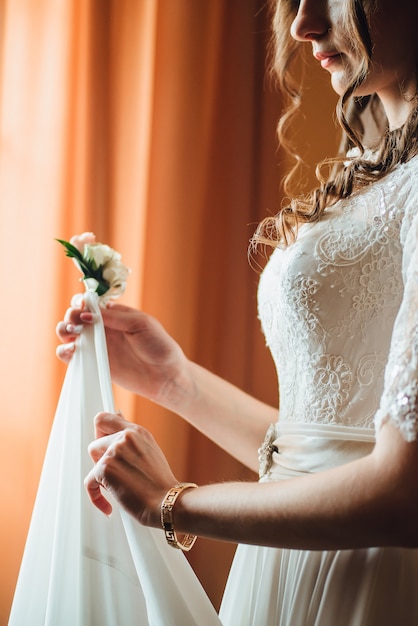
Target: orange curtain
(151, 123)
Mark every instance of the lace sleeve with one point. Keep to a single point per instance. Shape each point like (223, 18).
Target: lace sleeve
(399, 402)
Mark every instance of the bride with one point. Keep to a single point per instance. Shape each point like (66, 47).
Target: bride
(329, 533)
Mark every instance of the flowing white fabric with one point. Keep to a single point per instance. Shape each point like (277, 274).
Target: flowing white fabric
(79, 567)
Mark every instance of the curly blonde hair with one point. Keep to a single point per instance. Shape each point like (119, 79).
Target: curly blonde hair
(340, 176)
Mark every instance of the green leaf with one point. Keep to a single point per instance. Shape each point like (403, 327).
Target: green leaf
(87, 266)
(71, 250)
(102, 287)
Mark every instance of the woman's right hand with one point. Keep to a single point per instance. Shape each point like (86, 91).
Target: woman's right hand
(143, 357)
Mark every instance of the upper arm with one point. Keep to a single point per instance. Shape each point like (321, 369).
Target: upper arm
(396, 451)
(396, 464)
(399, 402)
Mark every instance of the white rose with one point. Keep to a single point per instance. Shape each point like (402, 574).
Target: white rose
(100, 253)
(116, 274)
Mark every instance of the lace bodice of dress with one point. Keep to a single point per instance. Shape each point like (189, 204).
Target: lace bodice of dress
(340, 306)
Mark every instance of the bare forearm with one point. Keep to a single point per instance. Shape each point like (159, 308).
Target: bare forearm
(363, 503)
(309, 513)
(147, 361)
(233, 419)
(372, 501)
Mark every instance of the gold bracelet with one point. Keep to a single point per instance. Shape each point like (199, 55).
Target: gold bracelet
(167, 523)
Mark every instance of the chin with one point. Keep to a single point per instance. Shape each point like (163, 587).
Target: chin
(338, 84)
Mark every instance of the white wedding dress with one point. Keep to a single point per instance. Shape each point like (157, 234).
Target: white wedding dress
(339, 310)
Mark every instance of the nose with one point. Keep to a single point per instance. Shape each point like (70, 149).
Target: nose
(311, 21)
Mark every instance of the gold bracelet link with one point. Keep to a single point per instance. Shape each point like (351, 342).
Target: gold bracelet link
(167, 522)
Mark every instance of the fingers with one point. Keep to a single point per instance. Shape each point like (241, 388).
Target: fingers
(109, 423)
(93, 484)
(130, 465)
(77, 301)
(67, 331)
(110, 428)
(65, 352)
(73, 324)
(124, 318)
(70, 325)
(70, 328)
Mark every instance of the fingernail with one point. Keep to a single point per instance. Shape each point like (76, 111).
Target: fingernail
(69, 347)
(74, 329)
(88, 317)
(77, 300)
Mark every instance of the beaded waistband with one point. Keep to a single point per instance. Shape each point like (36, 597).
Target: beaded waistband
(291, 449)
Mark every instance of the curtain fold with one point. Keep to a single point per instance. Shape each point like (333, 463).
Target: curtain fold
(151, 123)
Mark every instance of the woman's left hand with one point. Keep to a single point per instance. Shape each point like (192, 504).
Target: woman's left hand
(130, 465)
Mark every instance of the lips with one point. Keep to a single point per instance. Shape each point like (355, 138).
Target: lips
(327, 57)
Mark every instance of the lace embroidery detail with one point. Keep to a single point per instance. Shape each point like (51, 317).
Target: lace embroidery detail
(370, 368)
(407, 403)
(332, 379)
(302, 290)
(402, 412)
(328, 306)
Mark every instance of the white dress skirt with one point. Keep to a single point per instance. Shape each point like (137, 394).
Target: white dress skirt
(281, 587)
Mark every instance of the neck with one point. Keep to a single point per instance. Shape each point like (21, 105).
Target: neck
(399, 105)
(397, 116)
